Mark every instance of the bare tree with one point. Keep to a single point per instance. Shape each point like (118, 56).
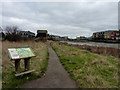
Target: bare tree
(2, 35)
(12, 33)
(12, 30)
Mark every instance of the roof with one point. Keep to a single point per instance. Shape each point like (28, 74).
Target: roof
(106, 31)
(41, 31)
(26, 32)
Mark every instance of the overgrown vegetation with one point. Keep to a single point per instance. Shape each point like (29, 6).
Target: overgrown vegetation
(38, 63)
(100, 50)
(89, 70)
(14, 34)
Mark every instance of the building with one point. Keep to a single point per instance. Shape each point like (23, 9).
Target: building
(106, 35)
(57, 38)
(64, 38)
(98, 35)
(115, 35)
(81, 38)
(41, 35)
(27, 34)
(54, 37)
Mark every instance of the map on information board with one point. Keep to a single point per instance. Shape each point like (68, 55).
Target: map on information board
(17, 53)
(13, 53)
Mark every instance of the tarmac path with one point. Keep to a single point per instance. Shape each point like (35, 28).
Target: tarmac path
(55, 76)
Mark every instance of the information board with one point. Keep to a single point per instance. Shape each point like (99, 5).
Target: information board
(17, 53)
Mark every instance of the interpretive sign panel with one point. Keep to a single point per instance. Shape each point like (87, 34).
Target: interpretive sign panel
(13, 53)
(18, 53)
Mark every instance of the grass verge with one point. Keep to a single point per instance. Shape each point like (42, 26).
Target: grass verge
(38, 63)
(89, 70)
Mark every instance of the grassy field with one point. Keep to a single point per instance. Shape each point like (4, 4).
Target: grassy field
(39, 63)
(89, 70)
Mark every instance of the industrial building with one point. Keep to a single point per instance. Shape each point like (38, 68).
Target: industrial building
(41, 35)
(27, 34)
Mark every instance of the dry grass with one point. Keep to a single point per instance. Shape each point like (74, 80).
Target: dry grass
(39, 63)
(99, 50)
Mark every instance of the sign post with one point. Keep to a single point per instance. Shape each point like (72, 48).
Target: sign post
(17, 66)
(27, 63)
(17, 54)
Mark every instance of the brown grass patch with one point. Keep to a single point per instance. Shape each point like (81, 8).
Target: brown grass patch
(99, 50)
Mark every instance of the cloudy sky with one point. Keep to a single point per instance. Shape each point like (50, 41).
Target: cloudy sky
(61, 18)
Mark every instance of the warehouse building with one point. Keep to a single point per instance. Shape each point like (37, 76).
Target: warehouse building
(41, 35)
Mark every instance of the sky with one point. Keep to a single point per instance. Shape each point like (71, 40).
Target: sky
(70, 19)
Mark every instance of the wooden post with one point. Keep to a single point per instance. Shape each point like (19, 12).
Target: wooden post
(27, 63)
(17, 65)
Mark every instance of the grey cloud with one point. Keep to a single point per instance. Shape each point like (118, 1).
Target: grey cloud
(72, 19)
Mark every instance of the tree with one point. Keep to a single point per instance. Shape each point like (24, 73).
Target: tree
(12, 33)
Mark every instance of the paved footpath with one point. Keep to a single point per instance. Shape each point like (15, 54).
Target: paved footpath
(55, 76)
